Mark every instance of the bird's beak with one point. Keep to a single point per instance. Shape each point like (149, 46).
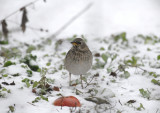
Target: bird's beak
(74, 43)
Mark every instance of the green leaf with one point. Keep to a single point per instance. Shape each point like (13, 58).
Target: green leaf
(140, 107)
(44, 98)
(113, 80)
(26, 79)
(27, 60)
(156, 82)
(15, 75)
(44, 71)
(134, 61)
(104, 57)
(43, 91)
(114, 57)
(84, 79)
(3, 42)
(11, 108)
(126, 74)
(158, 57)
(9, 91)
(121, 68)
(34, 67)
(35, 84)
(4, 89)
(27, 84)
(8, 63)
(153, 74)
(60, 67)
(64, 53)
(29, 72)
(36, 99)
(145, 94)
(49, 80)
(109, 70)
(102, 48)
(121, 36)
(30, 49)
(5, 75)
(3, 70)
(48, 64)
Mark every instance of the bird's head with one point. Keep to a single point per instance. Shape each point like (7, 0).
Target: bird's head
(79, 44)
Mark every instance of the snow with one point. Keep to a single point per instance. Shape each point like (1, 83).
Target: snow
(104, 18)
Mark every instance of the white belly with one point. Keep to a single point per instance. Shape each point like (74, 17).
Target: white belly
(79, 68)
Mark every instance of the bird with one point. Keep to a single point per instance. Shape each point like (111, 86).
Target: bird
(78, 60)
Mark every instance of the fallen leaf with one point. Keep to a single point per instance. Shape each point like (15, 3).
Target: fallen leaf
(5, 83)
(97, 55)
(131, 101)
(12, 83)
(24, 19)
(114, 74)
(56, 88)
(4, 28)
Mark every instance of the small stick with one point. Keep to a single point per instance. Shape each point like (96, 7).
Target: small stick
(89, 82)
(31, 104)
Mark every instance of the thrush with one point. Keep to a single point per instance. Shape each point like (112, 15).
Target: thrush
(78, 60)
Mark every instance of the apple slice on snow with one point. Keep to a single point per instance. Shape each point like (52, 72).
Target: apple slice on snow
(69, 101)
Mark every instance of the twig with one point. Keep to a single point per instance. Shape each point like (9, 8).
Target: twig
(137, 67)
(120, 102)
(32, 28)
(31, 104)
(89, 82)
(70, 21)
(19, 9)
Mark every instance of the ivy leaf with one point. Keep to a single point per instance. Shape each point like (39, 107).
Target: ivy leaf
(35, 84)
(126, 74)
(104, 57)
(26, 79)
(3, 42)
(5, 75)
(158, 57)
(102, 48)
(30, 49)
(29, 72)
(44, 98)
(36, 99)
(145, 94)
(157, 82)
(48, 64)
(140, 107)
(28, 84)
(8, 63)
(11, 108)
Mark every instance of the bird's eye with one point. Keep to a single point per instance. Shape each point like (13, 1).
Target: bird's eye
(78, 42)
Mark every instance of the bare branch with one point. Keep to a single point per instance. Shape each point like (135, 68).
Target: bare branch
(70, 21)
(20, 9)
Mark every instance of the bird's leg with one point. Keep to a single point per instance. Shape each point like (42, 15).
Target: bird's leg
(69, 79)
(81, 81)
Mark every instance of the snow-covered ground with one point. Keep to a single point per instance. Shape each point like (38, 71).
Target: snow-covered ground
(136, 60)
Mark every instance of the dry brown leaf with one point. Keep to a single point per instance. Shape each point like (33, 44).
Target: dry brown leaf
(24, 19)
(4, 28)
(56, 88)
